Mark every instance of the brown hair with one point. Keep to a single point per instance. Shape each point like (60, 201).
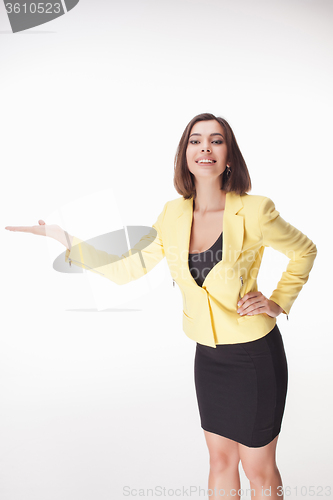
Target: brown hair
(239, 178)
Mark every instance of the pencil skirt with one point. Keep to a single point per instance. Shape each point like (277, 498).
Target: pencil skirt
(241, 388)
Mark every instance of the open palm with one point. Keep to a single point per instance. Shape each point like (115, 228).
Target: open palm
(41, 229)
(51, 230)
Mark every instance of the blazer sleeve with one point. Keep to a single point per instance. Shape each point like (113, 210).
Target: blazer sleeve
(301, 251)
(133, 264)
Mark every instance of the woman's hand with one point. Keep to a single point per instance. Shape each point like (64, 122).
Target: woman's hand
(52, 230)
(256, 303)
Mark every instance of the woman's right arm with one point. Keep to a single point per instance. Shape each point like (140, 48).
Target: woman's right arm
(135, 263)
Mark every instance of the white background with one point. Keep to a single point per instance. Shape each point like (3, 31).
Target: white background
(93, 104)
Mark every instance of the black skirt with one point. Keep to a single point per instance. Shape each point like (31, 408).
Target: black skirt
(241, 388)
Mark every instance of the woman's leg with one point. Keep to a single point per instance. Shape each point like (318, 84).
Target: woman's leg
(260, 468)
(224, 461)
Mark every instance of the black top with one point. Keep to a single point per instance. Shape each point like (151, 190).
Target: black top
(201, 263)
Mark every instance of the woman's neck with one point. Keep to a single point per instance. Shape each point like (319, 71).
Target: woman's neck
(209, 199)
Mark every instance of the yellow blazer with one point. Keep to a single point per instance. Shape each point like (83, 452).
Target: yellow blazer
(210, 316)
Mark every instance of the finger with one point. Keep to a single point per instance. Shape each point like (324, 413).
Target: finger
(250, 303)
(257, 310)
(247, 296)
(24, 229)
(41, 222)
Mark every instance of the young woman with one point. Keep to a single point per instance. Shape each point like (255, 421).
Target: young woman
(213, 238)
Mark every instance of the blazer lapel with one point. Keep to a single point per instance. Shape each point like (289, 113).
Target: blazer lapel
(233, 230)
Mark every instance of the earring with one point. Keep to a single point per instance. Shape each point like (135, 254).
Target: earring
(228, 170)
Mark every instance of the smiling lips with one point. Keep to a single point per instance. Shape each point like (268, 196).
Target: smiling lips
(205, 161)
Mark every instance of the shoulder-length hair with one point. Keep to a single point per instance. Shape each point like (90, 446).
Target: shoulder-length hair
(238, 180)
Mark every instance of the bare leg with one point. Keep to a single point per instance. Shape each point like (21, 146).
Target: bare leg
(260, 468)
(224, 461)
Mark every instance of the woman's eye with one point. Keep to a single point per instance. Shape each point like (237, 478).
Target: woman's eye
(217, 142)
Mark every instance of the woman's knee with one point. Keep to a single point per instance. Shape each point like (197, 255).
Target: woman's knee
(223, 452)
(221, 461)
(259, 463)
(258, 472)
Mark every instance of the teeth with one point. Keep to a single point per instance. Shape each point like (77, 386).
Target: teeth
(205, 161)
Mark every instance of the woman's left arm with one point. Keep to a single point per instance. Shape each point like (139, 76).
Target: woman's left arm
(282, 236)
(287, 239)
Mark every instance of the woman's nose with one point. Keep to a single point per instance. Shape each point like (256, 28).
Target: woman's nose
(203, 149)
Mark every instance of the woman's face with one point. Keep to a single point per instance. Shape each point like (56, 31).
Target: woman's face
(207, 142)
